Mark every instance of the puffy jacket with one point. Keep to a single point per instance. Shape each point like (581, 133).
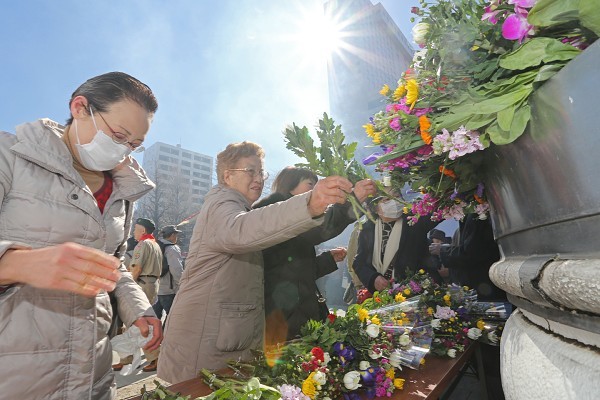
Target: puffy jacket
(218, 312)
(53, 344)
(291, 269)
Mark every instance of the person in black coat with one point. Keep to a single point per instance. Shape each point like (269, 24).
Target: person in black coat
(292, 267)
(470, 259)
(399, 246)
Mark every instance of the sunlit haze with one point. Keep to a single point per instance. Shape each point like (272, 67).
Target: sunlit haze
(222, 70)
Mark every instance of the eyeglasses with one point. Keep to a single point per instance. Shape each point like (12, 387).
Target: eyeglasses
(261, 173)
(121, 138)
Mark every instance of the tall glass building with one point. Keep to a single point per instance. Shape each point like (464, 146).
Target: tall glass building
(374, 52)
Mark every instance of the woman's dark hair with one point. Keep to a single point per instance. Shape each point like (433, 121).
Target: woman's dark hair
(290, 177)
(104, 90)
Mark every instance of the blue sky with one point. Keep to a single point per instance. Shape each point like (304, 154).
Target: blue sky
(222, 70)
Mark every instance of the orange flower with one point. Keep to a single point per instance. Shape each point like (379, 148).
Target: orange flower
(478, 199)
(447, 172)
(377, 300)
(424, 126)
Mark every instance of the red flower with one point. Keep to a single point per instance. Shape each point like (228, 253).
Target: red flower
(318, 352)
(331, 317)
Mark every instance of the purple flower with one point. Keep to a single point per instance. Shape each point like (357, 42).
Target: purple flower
(345, 353)
(516, 27)
(415, 287)
(369, 375)
(351, 396)
(370, 159)
(479, 191)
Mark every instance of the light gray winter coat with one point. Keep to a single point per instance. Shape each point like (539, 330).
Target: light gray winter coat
(218, 313)
(53, 344)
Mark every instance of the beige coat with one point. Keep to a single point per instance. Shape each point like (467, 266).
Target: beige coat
(218, 313)
(53, 344)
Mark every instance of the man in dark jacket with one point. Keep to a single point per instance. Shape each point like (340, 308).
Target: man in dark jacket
(411, 252)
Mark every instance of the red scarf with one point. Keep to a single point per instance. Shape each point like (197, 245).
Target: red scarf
(147, 236)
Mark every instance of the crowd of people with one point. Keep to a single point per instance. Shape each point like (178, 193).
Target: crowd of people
(71, 275)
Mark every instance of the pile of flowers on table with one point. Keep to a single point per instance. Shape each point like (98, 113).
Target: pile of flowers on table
(469, 87)
(361, 352)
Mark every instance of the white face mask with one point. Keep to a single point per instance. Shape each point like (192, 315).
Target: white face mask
(102, 153)
(390, 209)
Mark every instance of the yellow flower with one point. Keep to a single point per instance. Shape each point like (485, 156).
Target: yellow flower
(412, 92)
(423, 361)
(399, 298)
(399, 383)
(451, 319)
(308, 386)
(376, 320)
(399, 92)
(430, 311)
(405, 210)
(403, 314)
(447, 299)
(421, 271)
(390, 373)
(480, 325)
(377, 138)
(369, 129)
(384, 90)
(407, 291)
(362, 314)
(400, 322)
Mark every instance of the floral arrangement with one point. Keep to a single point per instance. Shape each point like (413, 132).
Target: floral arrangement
(468, 88)
(362, 351)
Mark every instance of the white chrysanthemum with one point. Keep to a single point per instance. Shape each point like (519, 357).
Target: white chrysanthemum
(419, 31)
(372, 330)
(474, 333)
(363, 365)
(351, 380)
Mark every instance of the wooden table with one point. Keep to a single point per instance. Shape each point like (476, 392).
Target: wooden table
(429, 382)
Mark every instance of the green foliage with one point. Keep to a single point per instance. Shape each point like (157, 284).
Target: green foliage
(332, 157)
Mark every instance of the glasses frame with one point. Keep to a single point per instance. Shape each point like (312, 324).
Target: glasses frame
(134, 148)
(260, 173)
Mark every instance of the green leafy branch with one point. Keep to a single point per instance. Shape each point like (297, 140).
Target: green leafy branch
(332, 157)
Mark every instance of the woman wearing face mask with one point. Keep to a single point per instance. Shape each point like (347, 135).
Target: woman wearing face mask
(66, 200)
(389, 247)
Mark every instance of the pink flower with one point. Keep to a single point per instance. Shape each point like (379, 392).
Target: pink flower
(395, 124)
(422, 111)
(516, 27)
(490, 15)
(523, 3)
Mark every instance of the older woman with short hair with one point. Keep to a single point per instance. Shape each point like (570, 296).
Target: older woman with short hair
(218, 313)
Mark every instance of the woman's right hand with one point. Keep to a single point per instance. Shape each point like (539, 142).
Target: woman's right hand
(381, 283)
(330, 190)
(70, 267)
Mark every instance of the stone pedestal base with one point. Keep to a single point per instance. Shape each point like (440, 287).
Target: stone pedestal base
(538, 363)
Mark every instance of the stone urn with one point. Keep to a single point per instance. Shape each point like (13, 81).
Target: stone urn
(545, 194)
